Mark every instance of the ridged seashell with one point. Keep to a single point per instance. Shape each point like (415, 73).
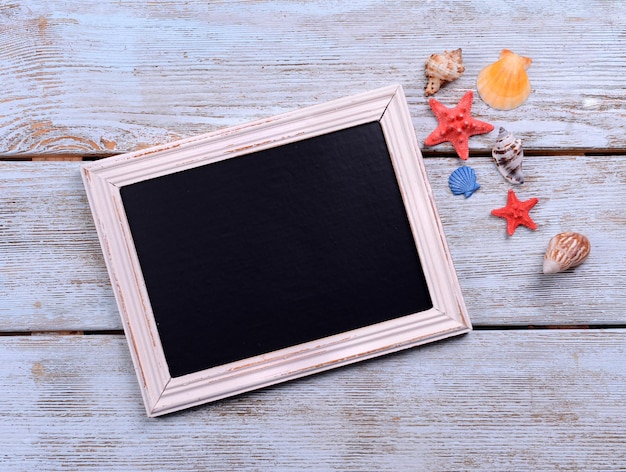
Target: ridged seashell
(504, 84)
(442, 68)
(565, 251)
(508, 155)
(463, 181)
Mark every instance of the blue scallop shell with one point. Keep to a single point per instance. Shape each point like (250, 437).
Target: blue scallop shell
(463, 181)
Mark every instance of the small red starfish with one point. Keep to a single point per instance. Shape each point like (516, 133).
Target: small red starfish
(516, 213)
(456, 125)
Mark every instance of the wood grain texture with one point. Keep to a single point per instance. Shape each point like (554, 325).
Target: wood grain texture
(497, 400)
(82, 78)
(502, 277)
(52, 273)
(53, 277)
(122, 75)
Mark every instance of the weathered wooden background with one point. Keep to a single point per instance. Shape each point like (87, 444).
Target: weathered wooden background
(539, 385)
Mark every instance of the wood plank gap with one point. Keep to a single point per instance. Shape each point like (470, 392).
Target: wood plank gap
(96, 332)
(119, 332)
(601, 152)
(104, 332)
(548, 327)
(427, 153)
(54, 157)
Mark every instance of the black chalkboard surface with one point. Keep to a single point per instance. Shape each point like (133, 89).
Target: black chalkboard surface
(275, 248)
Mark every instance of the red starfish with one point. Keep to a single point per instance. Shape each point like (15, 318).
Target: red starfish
(516, 213)
(456, 125)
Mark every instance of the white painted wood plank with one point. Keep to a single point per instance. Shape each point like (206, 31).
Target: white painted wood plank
(502, 277)
(53, 277)
(52, 273)
(85, 79)
(494, 400)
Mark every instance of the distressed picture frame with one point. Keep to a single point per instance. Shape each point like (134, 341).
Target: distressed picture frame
(276, 249)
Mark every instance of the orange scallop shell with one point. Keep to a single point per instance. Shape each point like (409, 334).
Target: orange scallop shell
(504, 84)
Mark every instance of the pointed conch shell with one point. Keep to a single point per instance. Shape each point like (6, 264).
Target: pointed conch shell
(504, 84)
(565, 251)
(442, 68)
(508, 155)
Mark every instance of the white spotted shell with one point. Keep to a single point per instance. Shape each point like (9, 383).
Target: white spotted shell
(442, 68)
(565, 251)
(508, 155)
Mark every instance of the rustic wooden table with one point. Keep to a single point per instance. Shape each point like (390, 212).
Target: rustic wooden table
(538, 385)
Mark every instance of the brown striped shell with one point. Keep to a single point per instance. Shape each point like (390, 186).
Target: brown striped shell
(442, 68)
(565, 251)
(508, 155)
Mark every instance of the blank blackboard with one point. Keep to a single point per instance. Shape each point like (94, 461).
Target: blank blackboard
(275, 248)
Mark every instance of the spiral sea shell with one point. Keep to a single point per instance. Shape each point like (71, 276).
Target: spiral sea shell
(504, 84)
(463, 181)
(565, 251)
(508, 154)
(442, 68)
